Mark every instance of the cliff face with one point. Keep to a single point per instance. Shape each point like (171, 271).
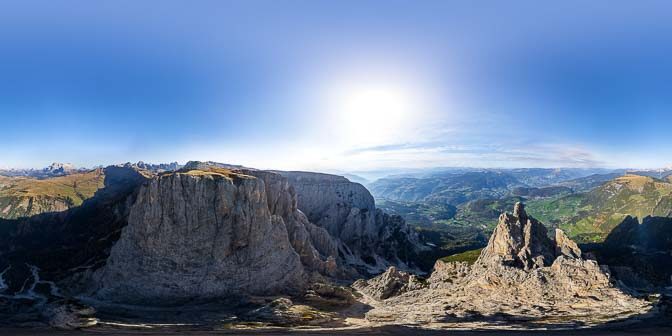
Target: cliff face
(205, 231)
(369, 239)
(317, 249)
(200, 234)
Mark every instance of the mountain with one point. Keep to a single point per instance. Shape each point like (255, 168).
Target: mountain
(28, 196)
(591, 216)
(196, 234)
(371, 239)
(158, 168)
(660, 173)
(458, 187)
(200, 233)
(541, 192)
(541, 177)
(522, 277)
(588, 183)
(453, 189)
(53, 170)
(232, 245)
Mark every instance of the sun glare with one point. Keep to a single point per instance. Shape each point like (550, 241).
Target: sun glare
(368, 113)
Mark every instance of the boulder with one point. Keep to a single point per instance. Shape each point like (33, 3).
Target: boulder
(391, 283)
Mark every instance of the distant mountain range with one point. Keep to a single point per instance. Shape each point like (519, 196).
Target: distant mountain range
(53, 170)
(458, 187)
(58, 187)
(62, 169)
(455, 211)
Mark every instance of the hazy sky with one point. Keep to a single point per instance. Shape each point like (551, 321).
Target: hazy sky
(349, 85)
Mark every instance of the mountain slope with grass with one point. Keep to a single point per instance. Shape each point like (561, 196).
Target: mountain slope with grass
(27, 196)
(590, 217)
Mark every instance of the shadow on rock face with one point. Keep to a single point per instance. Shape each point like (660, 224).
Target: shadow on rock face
(39, 251)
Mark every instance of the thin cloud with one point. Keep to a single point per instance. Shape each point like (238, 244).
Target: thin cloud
(434, 154)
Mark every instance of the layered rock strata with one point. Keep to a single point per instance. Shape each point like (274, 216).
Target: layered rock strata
(201, 234)
(219, 230)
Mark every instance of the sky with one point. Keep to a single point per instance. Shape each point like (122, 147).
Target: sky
(337, 85)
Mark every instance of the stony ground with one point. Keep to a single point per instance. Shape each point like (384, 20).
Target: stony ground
(659, 327)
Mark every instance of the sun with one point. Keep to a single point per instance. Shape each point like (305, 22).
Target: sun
(372, 113)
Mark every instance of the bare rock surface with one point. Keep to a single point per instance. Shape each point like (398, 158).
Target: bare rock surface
(519, 241)
(521, 277)
(391, 283)
(200, 234)
(367, 239)
(317, 249)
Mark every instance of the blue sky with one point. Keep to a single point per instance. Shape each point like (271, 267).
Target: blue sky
(349, 85)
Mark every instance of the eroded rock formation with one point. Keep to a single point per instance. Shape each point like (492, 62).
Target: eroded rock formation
(201, 234)
(368, 239)
(522, 275)
(219, 230)
(391, 283)
(519, 241)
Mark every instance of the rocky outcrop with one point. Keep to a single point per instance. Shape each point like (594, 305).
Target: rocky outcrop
(201, 234)
(367, 238)
(565, 246)
(522, 275)
(391, 283)
(519, 241)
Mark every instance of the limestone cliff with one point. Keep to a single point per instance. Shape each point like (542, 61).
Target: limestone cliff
(201, 234)
(369, 239)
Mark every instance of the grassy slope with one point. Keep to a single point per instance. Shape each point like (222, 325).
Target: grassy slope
(589, 217)
(467, 256)
(22, 196)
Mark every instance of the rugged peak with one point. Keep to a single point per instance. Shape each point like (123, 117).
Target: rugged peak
(57, 166)
(519, 241)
